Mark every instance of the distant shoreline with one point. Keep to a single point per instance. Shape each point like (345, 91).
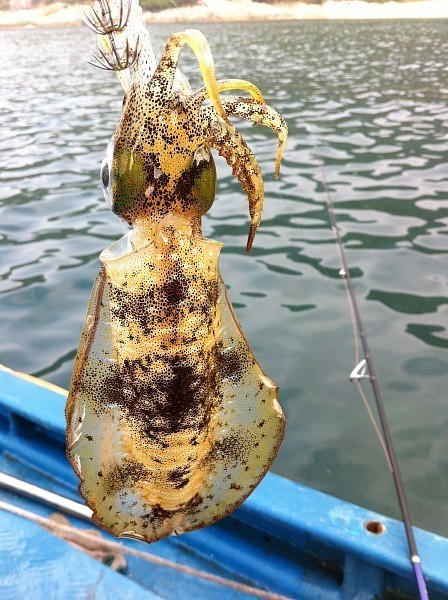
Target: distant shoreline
(60, 14)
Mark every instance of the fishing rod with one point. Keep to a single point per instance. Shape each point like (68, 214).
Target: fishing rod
(366, 370)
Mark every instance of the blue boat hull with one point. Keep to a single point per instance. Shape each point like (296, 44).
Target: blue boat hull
(286, 539)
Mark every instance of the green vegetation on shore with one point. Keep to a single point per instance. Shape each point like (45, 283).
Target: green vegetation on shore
(154, 5)
(163, 4)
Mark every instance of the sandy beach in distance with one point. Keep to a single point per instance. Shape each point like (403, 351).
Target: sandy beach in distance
(241, 10)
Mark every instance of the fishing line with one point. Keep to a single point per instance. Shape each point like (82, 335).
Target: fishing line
(374, 423)
(355, 378)
(365, 370)
(174, 3)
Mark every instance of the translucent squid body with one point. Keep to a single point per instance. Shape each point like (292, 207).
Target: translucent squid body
(171, 423)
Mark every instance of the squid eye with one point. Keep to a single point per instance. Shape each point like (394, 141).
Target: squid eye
(105, 174)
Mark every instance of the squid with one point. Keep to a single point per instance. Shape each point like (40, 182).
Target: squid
(171, 422)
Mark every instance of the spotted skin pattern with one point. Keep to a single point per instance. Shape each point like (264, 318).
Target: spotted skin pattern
(171, 423)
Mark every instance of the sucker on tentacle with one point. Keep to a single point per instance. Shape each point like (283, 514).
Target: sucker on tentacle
(171, 423)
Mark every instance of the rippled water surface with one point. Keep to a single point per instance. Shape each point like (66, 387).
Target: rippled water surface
(371, 100)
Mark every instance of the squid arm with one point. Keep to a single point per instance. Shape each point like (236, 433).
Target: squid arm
(230, 84)
(252, 110)
(230, 144)
(165, 74)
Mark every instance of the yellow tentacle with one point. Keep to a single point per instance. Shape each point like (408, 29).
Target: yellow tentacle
(231, 84)
(166, 71)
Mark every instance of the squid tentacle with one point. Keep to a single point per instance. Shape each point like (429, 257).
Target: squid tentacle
(165, 74)
(228, 85)
(230, 144)
(251, 110)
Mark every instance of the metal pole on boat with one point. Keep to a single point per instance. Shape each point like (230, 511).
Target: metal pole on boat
(33, 491)
(359, 373)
